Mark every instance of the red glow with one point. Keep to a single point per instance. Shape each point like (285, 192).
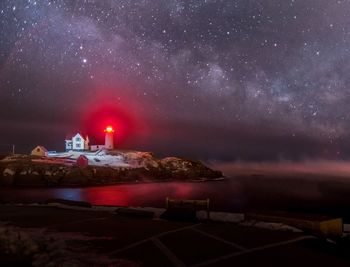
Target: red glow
(109, 129)
(123, 121)
(111, 106)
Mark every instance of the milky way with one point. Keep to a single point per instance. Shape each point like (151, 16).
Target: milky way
(209, 79)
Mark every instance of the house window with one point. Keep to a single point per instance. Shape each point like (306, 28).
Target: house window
(77, 139)
(78, 145)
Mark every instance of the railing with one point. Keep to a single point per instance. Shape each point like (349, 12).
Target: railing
(191, 204)
(11, 148)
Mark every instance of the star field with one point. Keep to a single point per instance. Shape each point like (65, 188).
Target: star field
(212, 79)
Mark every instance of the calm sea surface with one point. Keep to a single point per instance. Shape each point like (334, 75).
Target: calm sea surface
(325, 195)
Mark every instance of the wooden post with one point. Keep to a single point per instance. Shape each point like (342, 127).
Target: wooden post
(167, 202)
(208, 212)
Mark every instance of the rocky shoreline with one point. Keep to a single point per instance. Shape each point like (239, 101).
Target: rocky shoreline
(22, 170)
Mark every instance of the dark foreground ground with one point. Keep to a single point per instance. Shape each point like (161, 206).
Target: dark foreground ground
(103, 238)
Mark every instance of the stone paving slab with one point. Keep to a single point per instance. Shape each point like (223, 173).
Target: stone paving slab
(192, 247)
(246, 236)
(146, 254)
(303, 253)
(163, 243)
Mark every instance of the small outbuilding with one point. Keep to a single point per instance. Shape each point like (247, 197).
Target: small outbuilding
(40, 151)
(82, 161)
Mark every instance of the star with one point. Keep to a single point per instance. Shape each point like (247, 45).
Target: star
(237, 73)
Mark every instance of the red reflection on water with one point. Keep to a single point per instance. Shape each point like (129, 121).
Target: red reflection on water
(142, 195)
(131, 195)
(107, 196)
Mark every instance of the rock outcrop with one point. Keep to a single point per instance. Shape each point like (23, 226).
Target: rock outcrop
(24, 170)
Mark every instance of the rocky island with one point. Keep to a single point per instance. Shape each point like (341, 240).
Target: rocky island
(103, 167)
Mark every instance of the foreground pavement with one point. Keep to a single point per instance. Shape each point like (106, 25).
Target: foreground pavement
(87, 237)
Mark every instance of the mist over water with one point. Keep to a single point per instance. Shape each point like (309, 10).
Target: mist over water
(317, 186)
(320, 168)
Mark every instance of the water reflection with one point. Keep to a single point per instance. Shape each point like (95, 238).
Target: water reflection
(144, 194)
(69, 193)
(297, 192)
(147, 194)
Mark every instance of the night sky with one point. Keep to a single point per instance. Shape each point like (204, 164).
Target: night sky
(216, 80)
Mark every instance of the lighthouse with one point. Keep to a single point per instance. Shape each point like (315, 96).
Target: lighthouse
(109, 137)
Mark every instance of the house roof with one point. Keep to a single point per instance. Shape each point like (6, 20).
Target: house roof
(71, 135)
(82, 157)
